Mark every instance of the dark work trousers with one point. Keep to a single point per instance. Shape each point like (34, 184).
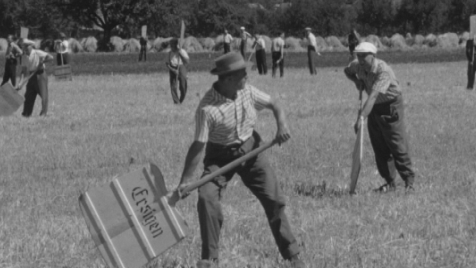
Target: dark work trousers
(181, 79)
(226, 47)
(390, 141)
(37, 85)
(261, 61)
(310, 60)
(142, 53)
(10, 72)
(259, 177)
(243, 48)
(62, 59)
(471, 72)
(275, 57)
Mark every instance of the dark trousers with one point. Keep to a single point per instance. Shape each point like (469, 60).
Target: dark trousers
(226, 47)
(276, 56)
(10, 72)
(390, 142)
(471, 72)
(243, 48)
(261, 61)
(37, 85)
(62, 59)
(259, 177)
(142, 53)
(310, 60)
(181, 79)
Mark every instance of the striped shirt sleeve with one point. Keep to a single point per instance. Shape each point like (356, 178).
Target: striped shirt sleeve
(382, 81)
(260, 99)
(202, 125)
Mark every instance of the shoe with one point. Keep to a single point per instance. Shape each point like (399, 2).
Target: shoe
(387, 187)
(207, 263)
(296, 262)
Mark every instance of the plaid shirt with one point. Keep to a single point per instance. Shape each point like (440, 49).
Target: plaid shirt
(225, 121)
(380, 78)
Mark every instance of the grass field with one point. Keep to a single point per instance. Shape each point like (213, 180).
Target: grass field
(103, 126)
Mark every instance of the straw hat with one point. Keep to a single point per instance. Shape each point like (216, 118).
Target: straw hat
(228, 63)
(366, 47)
(27, 42)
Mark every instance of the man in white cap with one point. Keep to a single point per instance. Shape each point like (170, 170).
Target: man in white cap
(38, 83)
(244, 44)
(62, 50)
(385, 112)
(260, 48)
(225, 121)
(312, 47)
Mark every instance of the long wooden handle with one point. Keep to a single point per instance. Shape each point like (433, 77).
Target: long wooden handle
(194, 185)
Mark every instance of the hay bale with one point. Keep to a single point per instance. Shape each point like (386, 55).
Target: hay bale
(117, 43)
(397, 41)
(293, 44)
(37, 43)
(132, 45)
(335, 43)
(75, 45)
(374, 40)
(90, 44)
(430, 40)
(207, 43)
(447, 40)
(161, 44)
(47, 45)
(386, 41)
(3, 44)
(418, 40)
(409, 40)
(191, 44)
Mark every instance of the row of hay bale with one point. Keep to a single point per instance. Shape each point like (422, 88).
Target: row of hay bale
(330, 43)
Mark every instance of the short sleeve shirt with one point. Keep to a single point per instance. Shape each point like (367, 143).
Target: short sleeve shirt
(312, 40)
(225, 121)
(64, 47)
(228, 38)
(380, 78)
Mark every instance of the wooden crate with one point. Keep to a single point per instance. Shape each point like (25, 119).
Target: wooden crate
(10, 100)
(130, 220)
(63, 72)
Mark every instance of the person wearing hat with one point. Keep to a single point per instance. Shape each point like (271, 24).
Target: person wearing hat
(176, 62)
(38, 83)
(260, 48)
(470, 55)
(277, 54)
(62, 50)
(11, 60)
(227, 39)
(385, 112)
(224, 131)
(312, 47)
(244, 37)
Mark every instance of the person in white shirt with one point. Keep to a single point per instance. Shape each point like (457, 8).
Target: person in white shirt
(227, 39)
(62, 50)
(277, 54)
(178, 57)
(260, 47)
(243, 45)
(38, 83)
(310, 48)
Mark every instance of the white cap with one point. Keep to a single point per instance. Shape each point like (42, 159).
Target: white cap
(307, 28)
(28, 42)
(242, 27)
(366, 47)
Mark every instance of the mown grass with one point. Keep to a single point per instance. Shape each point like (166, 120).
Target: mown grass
(103, 126)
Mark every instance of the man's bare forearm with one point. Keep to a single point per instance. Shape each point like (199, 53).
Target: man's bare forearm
(192, 160)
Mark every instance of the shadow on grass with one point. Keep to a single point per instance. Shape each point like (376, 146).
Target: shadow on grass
(317, 190)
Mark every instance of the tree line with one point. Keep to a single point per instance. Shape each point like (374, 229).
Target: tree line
(124, 18)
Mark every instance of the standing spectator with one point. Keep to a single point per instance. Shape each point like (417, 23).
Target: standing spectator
(38, 83)
(310, 48)
(277, 54)
(385, 111)
(353, 39)
(178, 58)
(261, 55)
(227, 39)
(244, 44)
(11, 61)
(225, 120)
(143, 48)
(470, 54)
(62, 50)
